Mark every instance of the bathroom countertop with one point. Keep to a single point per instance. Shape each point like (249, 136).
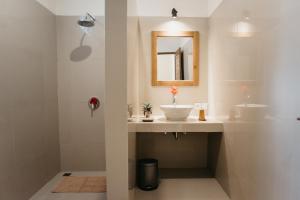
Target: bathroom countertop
(160, 124)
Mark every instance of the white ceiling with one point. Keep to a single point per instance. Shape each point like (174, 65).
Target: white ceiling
(74, 7)
(213, 5)
(186, 8)
(49, 4)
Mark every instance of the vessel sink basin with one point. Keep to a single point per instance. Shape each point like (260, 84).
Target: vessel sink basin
(252, 111)
(176, 112)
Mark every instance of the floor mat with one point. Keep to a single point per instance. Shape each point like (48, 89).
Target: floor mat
(81, 184)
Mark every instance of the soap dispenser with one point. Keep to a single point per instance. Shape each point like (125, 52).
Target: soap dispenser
(201, 107)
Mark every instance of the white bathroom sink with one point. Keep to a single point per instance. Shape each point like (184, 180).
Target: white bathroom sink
(252, 111)
(176, 112)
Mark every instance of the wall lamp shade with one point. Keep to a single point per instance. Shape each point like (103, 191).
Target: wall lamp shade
(243, 29)
(174, 13)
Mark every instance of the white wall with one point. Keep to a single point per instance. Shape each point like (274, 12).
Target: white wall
(116, 126)
(259, 157)
(133, 62)
(81, 69)
(29, 140)
(132, 85)
(80, 7)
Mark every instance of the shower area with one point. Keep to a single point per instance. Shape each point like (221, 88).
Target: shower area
(81, 69)
(81, 79)
(52, 95)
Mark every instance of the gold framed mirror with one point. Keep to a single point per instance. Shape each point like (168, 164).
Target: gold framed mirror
(175, 58)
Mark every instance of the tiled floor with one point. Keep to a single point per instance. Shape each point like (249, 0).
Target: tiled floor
(46, 194)
(169, 173)
(185, 189)
(169, 189)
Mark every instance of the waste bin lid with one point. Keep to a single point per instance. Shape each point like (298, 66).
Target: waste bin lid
(148, 161)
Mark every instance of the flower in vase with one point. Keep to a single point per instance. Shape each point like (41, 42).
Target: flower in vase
(174, 90)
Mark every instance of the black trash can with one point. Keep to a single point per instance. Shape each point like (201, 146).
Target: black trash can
(147, 174)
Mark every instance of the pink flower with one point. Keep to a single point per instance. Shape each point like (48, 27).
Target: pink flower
(174, 90)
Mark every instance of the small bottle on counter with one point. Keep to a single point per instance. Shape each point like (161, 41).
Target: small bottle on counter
(202, 107)
(202, 115)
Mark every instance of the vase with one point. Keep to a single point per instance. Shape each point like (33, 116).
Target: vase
(147, 114)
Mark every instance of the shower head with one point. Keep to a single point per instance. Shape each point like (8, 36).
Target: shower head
(87, 21)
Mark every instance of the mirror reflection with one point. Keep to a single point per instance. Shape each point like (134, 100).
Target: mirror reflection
(174, 58)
